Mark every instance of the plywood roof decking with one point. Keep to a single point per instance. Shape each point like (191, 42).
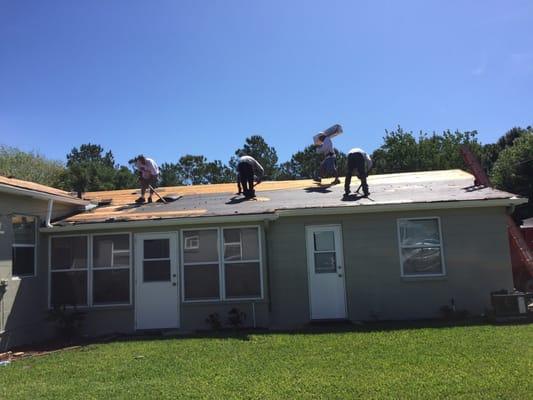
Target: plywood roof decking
(36, 187)
(219, 200)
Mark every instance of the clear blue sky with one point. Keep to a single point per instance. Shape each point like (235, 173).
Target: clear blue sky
(167, 78)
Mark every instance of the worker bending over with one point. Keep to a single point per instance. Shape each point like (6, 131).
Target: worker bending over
(148, 175)
(328, 166)
(360, 163)
(246, 168)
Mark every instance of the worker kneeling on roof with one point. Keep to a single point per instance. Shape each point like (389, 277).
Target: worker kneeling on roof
(328, 166)
(148, 175)
(360, 163)
(246, 168)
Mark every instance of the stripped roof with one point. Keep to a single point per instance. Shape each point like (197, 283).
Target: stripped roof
(21, 186)
(272, 197)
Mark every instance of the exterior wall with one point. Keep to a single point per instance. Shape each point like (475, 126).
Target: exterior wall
(476, 256)
(23, 303)
(121, 319)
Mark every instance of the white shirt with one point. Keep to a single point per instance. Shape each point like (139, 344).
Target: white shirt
(368, 160)
(258, 168)
(148, 169)
(326, 146)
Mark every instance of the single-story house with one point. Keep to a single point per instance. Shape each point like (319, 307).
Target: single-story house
(298, 253)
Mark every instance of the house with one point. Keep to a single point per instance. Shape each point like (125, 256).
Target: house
(298, 253)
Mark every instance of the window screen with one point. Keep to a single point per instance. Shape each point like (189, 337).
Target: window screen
(24, 243)
(242, 269)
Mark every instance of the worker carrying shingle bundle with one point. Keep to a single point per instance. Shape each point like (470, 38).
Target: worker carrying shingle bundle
(246, 169)
(328, 166)
(360, 163)
(148, 176)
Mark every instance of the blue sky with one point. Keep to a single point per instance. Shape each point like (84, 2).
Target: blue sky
(167, 78)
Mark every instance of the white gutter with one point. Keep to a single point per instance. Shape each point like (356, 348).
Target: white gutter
(41, 195)
(149, 223)
(49, 213)
(299, 212)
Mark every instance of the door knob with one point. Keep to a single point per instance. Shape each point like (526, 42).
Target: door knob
(173, 283)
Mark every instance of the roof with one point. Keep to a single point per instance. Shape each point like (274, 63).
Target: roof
(387, 191)
(18, 186)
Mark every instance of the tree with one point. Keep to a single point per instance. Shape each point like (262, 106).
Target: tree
(513, 171)
(492, 151)
(89, 170)
(169, 174)
(402, 152)
(256, 147)
(30, 166)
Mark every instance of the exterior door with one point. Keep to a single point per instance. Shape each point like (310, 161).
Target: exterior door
(156, 276)
(326, 273)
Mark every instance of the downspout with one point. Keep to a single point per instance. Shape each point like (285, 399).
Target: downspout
(49, 213)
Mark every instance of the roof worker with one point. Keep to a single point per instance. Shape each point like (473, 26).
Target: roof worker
(328, 166)
(148, 176)
(246, 169)
(360, 163)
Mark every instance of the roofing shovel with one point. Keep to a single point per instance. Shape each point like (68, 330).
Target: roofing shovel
(158, 195)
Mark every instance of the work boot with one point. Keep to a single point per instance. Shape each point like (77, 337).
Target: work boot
(317, 180)
(336, 181)
(140, 200)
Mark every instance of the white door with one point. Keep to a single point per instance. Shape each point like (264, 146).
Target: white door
(326, 273)
(156, 276)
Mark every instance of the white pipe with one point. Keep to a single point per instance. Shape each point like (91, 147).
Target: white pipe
(49, 213)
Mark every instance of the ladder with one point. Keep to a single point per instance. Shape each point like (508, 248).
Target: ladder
(515, 234)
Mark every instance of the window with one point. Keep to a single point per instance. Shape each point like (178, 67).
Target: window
(324, 252)
(68, 271)
(23, 249)
(234, 274)
(242, 272)
(201, 266)
(192, 242)
(420, 247)
(108, 265)
(111, 266)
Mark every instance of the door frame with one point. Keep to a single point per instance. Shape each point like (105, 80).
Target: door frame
(340, 246)
(137, 265)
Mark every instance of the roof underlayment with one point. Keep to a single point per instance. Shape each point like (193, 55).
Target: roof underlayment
(416, 188)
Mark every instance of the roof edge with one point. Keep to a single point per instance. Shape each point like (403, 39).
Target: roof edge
(41, 195)
(509, 202)
(406, 206)
(163, 222)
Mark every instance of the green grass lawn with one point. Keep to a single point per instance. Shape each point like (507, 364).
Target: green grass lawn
(459, 362)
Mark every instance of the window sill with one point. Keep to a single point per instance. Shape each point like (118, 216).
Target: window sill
(21, 277)
(424, 278)
(220, 302)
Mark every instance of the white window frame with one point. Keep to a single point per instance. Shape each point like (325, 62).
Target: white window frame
(220, 263)
(194, 239)
(34, 245)
(129, 267)
(400, 247)
(90, 268)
